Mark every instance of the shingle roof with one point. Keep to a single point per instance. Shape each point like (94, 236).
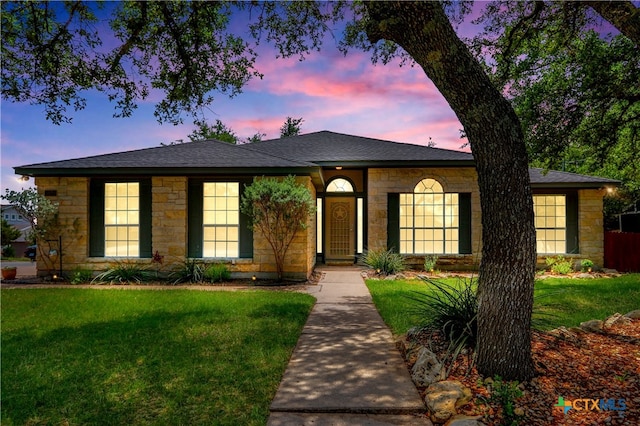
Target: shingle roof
(293, 154)
(208, 154)
(329, 147)
(550, 178)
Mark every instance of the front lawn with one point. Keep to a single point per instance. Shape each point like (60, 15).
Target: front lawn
(569, 301)
(89, 356)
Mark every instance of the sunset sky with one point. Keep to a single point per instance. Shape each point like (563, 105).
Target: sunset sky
(329, 91)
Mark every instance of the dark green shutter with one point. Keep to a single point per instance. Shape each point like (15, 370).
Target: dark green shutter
(96, 218)
(464, 223)
(145, 218)
(572, 222)
(194, 214)
(246, 232)
(393, 222)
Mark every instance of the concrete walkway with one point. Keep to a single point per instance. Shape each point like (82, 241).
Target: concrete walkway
(345, 369)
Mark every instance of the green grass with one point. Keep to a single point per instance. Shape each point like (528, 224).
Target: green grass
(567, 301)
(85, 356)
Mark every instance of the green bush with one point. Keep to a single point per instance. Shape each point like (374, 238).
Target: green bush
(190, 271)
(384, 261)
(81, 275)
(585, 264)
(8, 251)
(217, 272)
(430, 262)
(124, 273)
(559, 265)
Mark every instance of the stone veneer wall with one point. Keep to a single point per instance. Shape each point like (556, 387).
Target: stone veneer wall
(169, 216)
(383, 181)
(72, 197)
(169, 230)
(591, 225)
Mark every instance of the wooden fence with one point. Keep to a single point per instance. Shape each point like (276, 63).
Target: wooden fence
(622, 251)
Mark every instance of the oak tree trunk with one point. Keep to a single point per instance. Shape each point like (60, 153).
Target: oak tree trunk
(507, 267)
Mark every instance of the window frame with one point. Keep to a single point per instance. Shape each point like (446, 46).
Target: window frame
(195, 219)
(97, 217)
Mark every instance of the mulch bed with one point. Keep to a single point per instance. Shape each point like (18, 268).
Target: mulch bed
(580, 365)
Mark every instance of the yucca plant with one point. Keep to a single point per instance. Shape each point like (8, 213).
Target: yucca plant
(124, 273)
(451, 309)
(190, 271)
(385, 262)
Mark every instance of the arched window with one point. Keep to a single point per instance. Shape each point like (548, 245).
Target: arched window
(339, 185)
(429, 220)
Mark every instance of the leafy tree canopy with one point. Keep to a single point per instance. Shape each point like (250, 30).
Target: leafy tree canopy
(574, 89)
(9, 233)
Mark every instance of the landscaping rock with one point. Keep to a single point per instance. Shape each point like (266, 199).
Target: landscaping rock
(427, 369)
(616, 319)
(584, 275)
(592, 325)
(462, 420)
(443, 398)
(633, 314)
(408, 349)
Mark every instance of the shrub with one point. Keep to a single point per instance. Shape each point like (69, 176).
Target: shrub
(430, 262)
(384, 261)
(191, 271)
(124, 273)
(8, 251)
(585, 265)
(559, 265)
(217, 272)
(81, 275)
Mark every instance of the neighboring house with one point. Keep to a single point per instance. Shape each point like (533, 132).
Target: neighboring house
(183, 201)
(16, 220)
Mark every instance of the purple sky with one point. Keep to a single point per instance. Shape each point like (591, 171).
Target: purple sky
(329, 91)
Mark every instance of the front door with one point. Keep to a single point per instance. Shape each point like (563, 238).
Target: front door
(340, 222)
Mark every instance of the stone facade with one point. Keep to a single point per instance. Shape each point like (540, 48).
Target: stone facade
(169, 231)
(381, 181)
(170, 223)
(590, 225)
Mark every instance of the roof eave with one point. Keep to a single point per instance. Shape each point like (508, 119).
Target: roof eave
(161, 171)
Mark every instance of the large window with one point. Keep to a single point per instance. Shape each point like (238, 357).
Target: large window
(429, 220)
(122, 219)
(551, 223)
(221, 219)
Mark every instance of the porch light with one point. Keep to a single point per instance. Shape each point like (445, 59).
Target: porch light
(24, 178)
(338, 167)
(253, 277)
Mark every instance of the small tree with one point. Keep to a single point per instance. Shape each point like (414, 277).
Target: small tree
(278, 208)
(46, 226)
(291, 127)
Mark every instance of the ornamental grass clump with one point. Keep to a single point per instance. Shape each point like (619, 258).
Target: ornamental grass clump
(385, 262)
(451, 309)
(124, 273)
(217, 272)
